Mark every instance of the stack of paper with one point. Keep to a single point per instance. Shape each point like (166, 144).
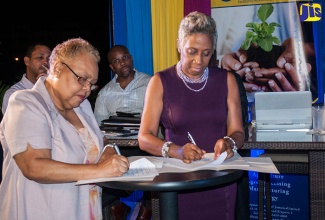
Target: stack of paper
(146, 168)
(172, 165)
(141, 169)
(121, 126)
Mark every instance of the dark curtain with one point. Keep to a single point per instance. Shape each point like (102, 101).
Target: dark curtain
(203, 6)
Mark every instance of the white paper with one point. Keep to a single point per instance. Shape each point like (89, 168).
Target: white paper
(206, 163)
(141, 169)
(261, 164)
(258, 164)
(151, 166)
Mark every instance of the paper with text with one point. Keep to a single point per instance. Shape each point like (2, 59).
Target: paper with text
(145, 168)
(141, 169)
(206, 163)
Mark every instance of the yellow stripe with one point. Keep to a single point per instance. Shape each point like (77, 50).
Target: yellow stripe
(166, 16)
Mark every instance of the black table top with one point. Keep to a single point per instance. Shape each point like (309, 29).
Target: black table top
(178, 181)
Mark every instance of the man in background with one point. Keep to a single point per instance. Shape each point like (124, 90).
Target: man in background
(126, 91)
(37, 62)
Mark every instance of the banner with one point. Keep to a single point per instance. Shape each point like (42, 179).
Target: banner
(280, 56)
(229, 3)
(247, 27)
(289, 195)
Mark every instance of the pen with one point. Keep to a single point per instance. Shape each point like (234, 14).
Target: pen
(100, 155)
(116, 149)
(113, 146)
(190, 138)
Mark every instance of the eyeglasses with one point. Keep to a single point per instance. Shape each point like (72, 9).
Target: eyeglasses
(81, 80)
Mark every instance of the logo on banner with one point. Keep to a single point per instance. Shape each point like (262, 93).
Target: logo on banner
(310, 12)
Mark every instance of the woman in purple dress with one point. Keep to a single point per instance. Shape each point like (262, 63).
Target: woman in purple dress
(204, 100)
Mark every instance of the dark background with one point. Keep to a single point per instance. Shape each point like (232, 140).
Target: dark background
(51, 22)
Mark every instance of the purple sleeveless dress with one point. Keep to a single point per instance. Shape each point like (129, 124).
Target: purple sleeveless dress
(204, 115)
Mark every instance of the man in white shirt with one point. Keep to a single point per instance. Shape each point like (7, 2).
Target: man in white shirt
(126, 91)
(37, 62)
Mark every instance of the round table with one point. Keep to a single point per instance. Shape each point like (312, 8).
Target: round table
(169, 184)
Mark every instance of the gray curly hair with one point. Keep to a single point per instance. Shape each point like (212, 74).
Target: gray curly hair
(197, 23)
(71, 48)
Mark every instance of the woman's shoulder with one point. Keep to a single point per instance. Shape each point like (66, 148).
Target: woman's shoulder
(216, 69)
(167, 74)
(217, 73)
(23, 95)
(31, 99)
(168, 70)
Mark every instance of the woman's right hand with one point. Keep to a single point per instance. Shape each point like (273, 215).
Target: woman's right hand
(113, 164)
(190, 152)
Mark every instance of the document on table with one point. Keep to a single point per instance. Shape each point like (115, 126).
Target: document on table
(207, 163)
(258, 164)
(139, 170)
(172, 165)
(147, 167)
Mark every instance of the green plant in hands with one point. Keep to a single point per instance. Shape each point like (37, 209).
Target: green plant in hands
(260, 34)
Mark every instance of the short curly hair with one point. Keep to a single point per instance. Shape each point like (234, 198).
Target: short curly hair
(71, 48)
(197, 23)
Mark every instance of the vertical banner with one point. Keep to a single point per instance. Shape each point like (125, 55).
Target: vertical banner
(289, 195)
(269, 41)
(274, 43)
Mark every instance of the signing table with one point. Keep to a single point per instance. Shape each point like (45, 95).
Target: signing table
(313, 165)
(169, 184)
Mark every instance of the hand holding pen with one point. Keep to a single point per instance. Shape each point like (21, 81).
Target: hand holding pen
(198, 151)
(191, 138)
(116, 148)
(111, 163)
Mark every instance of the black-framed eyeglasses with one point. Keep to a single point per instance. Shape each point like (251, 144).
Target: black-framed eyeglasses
(81, 80)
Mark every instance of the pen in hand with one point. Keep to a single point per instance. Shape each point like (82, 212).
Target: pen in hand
(116, 149)
(190, 138)
(193, 142)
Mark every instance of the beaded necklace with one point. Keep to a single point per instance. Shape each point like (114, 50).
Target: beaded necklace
(186, 80)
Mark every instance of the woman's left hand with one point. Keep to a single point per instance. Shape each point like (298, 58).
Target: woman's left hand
(221, 146)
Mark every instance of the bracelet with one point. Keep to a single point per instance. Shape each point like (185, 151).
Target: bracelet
(165, 148)
(234, 143)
